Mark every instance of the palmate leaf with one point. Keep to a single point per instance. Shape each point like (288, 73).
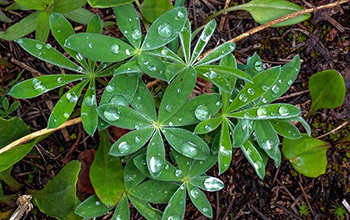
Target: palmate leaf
(256, 157)
(37, 86)
(155, 155)
(177, 205)
(162, 32)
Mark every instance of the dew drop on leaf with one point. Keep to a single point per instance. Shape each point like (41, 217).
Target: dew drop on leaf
(59, 80)
(168, 108)
(72, 97)
(20, 41)
(276, 89)
(262, 112)
(127, 52)
(251, 91)
(259, 66)
(218, 103)
(136, 34)
(90, 101)
(38, 46)
(205, 210)
(267, 145)
(118, 100)
(283, 111)
(178, 173)
(90, 45)
(97, 203)
(115, 48)
(290, 82)
(66, 115)
(180, 14)
(195, 193)
(208, 127)
(189, 149)
(225, 152)
(174, 217)
(265, 88)
(243, 97)
(118, 218)
(111, 114)
(165, 30)
(79, 56)
(124, 147)
(80, 69)
(213, 184)
(257, 165)
(48, 46)
(202, 112)
(38, 86)
(110, 88)
(264, 100)
(156, 164)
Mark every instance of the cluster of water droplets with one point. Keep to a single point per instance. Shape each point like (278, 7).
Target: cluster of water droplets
(264, 111)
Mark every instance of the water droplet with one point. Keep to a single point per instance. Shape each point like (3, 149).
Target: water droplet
(178, 90)
(66, 115)
(265, 88)
(79, 57)
(246, 115)
(110, 88)
(59, 80)
(205, 210)
(202, 112)
(166, 167)
(189, 149)
(156, 164)
(124, 147)
(243, 97)
(174, 217)
(147, 45)
(115, 48)
(178, 173)
(127, 52)
(137, 139)
(168, 108)
(267, 145)
(225, 152)
(90, 45)
(97, 203)
(111, 114)
(90, 101)
(212, 74)
(251, 91)
(118, 218)
(170, 123)
(204, 37)
(257, 165)
(218, 103)
(152, 68)
(38, 46)
(72, 97)
(264, 100)
(290, 82)
(118, 100)
(208, 127)
(165, 30)
(136, 34)
(180, 14)
(20, 41)
(259, 66)
(262, 112)
(195, 193)
(48, 46)
(80, 69)
(276, 89)
(38, 86)
(283, 111)
(213, 184)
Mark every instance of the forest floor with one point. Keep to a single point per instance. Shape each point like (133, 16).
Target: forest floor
(323, 43)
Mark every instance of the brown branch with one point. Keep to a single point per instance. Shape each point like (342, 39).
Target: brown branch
(279, 20)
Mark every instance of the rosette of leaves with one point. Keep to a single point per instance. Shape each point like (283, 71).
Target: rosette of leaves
(88, 71)
(38, 21)
(248, 120)
(190, 174)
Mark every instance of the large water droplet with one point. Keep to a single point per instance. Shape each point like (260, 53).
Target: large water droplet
(212, 74)
(111, 113)
(225, 152)
(251, 91)
(118, 100)
(124, 147)
(174, 217)
(156, 164)
(178, 173)
(205, 209)
(165, 30)
(212, 184)
(218, 103)
(127, 52)
(189, 149)
(90, 101)
(283, 111)
(264, 100)
(168, 108)
(262, 112)
(72, 97)
(136, 34)
(202, 112)
(115, 48)
(208, 127)
(39, 46)
(195, 193)
(276, 89)
(259, 66)
(38, 86)
(267, 145)
(243, 97)
(110, 88)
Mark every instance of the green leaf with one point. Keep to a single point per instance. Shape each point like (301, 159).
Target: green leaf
(307, 155)
(254, 65)
(186, 143)
(184, 163)
(145, 209)
(272, 111)
(151, 13)
(98, 47)
(5, 104)
(32, 4)
(164, 52)
(198, 167)
(268, 140)
(89, 115)
(152, 66)
(256, 157)
(177, 205)
(143, 102)
(39, 85)
(42, 26)
(225, 151)
(95, 25)
(123, 117)
(303, 123)
(288, 74)
(106, 174)
(207, 183)
(172, 70)
(327, 90)
(229, 60)
(185, 38)
(154, 191)
(80, 15)
(47, 53)
(4, 18)
(199, 200)
(132, 175)
(131, 142)
(243, 130)
(286, 129)
(65, 106)
(253, 90)
(197, 109)
(108, 3)
(177, 93)
(165, 29)
(9, 180)
(122, 211)
(155, 155)
(214, 71)
(131, 67)
(61, 188)
(208, 125)
(26, 26)
(217, 54)
(63, 6)
(129, 23)
(92, 207)
(264, 11)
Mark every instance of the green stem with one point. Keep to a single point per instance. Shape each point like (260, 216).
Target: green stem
(9, 180)
(233, 8)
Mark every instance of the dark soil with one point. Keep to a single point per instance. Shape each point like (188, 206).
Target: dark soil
(322, 42)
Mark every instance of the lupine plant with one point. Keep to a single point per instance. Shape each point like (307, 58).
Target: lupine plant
(166, 157)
